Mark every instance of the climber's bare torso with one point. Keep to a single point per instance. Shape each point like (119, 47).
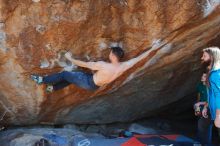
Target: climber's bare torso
(107, 72)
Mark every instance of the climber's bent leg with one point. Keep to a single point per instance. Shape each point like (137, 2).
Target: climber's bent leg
(54, 78)
(60, 85)
(81, 79)
(78, 78)
(50, 79)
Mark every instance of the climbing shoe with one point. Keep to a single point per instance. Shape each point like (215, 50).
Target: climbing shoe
(49, 89)
(37, 79)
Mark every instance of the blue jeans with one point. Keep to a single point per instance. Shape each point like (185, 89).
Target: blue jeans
(65, 78)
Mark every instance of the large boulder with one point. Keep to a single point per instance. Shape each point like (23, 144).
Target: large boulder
(32, 33)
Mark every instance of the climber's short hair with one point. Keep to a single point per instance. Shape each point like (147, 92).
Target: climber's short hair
(118, 52)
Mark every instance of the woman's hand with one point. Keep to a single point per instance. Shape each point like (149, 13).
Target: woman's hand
(205, 112)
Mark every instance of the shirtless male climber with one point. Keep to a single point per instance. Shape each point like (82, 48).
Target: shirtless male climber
(106, 72)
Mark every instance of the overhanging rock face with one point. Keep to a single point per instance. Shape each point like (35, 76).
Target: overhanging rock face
(32, 33)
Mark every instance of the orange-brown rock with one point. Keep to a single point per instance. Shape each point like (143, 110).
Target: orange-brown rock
(32, 33)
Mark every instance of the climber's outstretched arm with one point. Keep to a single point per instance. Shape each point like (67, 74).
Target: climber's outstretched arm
(128, 64)
(90, 65)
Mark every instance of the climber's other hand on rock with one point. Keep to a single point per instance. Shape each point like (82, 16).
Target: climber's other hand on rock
(68, 55)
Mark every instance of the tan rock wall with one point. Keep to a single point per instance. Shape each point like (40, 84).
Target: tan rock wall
(32, 33)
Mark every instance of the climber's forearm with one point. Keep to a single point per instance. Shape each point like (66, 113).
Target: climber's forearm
(135, 60)
(89, 65)
(79, 63)
(142, 56)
